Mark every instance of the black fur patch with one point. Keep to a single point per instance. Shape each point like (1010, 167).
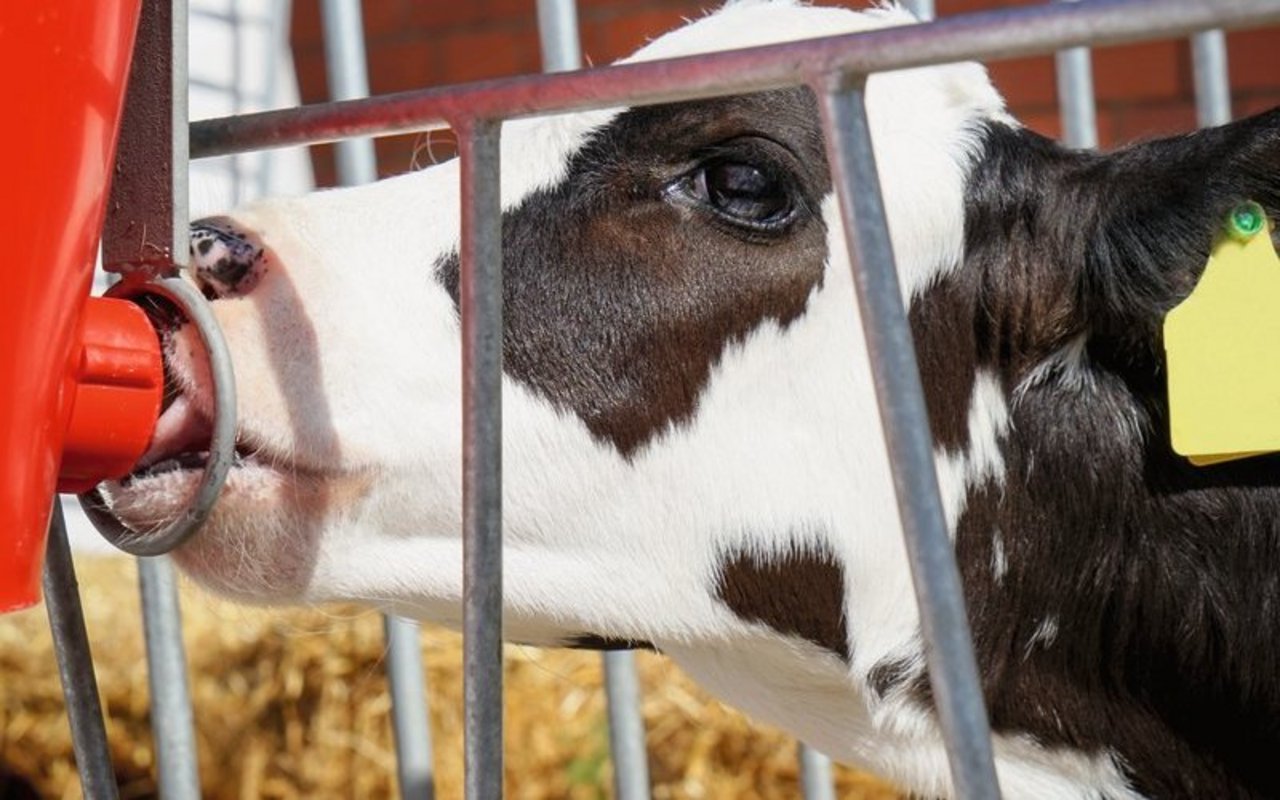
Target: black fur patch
(592, 641)
(942, 325)
(797, 592)
(889, 674)
(618, 301)
(1163, 579)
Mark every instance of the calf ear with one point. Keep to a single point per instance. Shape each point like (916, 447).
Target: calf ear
(1149, 215)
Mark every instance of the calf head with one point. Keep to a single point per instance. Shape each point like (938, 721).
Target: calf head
(692, 448)
(685, 393)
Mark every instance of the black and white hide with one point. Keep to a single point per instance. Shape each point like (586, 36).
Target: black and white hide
(693, 454)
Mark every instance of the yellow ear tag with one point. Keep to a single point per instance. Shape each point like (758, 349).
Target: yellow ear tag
(1222, 344)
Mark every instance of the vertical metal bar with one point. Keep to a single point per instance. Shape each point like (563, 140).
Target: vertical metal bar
(923, 9)
(234, 22)
(278, 18)
(171, 717)
(816, 780)
(626, 727)
(1075, 97)
(409, 718)
(480, 302)
(146, 223)
(146, 227)
(561, 52)
(348, 77)
(1213, 86)
(75, 665)
(347, 66)
(953, 669)
(558, 33)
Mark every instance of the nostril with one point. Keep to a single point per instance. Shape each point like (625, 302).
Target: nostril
(226, 260)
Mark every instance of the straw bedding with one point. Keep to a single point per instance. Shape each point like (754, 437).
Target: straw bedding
(293, 704)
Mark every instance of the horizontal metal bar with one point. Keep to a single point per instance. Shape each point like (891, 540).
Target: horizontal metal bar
(953, 670)
(988, 36)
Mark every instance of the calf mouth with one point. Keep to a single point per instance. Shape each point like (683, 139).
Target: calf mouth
(181, 445)
(190, 461)
(181, 440)
(247, 458)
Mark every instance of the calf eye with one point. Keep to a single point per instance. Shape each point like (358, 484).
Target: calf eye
(740, 193)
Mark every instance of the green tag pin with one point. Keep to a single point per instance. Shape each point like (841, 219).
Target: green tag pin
(1246, 221)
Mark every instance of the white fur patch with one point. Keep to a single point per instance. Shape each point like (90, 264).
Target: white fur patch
(982, 461)
(1068, 365)
(999, 560)
(909, 749)
(1045, 634)
(1068, 368)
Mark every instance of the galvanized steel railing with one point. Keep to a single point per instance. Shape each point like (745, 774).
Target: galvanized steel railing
(347, 70)
(562, 52)
(836, 69)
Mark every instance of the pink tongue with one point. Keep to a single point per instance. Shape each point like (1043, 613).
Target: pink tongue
(180, 429)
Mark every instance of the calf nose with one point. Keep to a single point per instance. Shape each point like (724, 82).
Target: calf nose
(226, 260)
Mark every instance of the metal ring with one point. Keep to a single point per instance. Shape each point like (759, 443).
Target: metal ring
(221, 446)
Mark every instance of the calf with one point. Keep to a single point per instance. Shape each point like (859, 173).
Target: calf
(693, 454)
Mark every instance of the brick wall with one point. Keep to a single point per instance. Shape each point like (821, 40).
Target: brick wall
(1142, 90)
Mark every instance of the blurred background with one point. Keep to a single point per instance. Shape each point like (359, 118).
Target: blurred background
(1142, 90)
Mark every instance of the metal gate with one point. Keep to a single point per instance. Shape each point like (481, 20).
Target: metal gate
(836, 69)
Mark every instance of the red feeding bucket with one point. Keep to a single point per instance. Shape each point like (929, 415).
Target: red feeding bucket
(80, 379)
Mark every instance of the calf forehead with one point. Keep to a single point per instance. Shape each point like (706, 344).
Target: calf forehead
(620, 302)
